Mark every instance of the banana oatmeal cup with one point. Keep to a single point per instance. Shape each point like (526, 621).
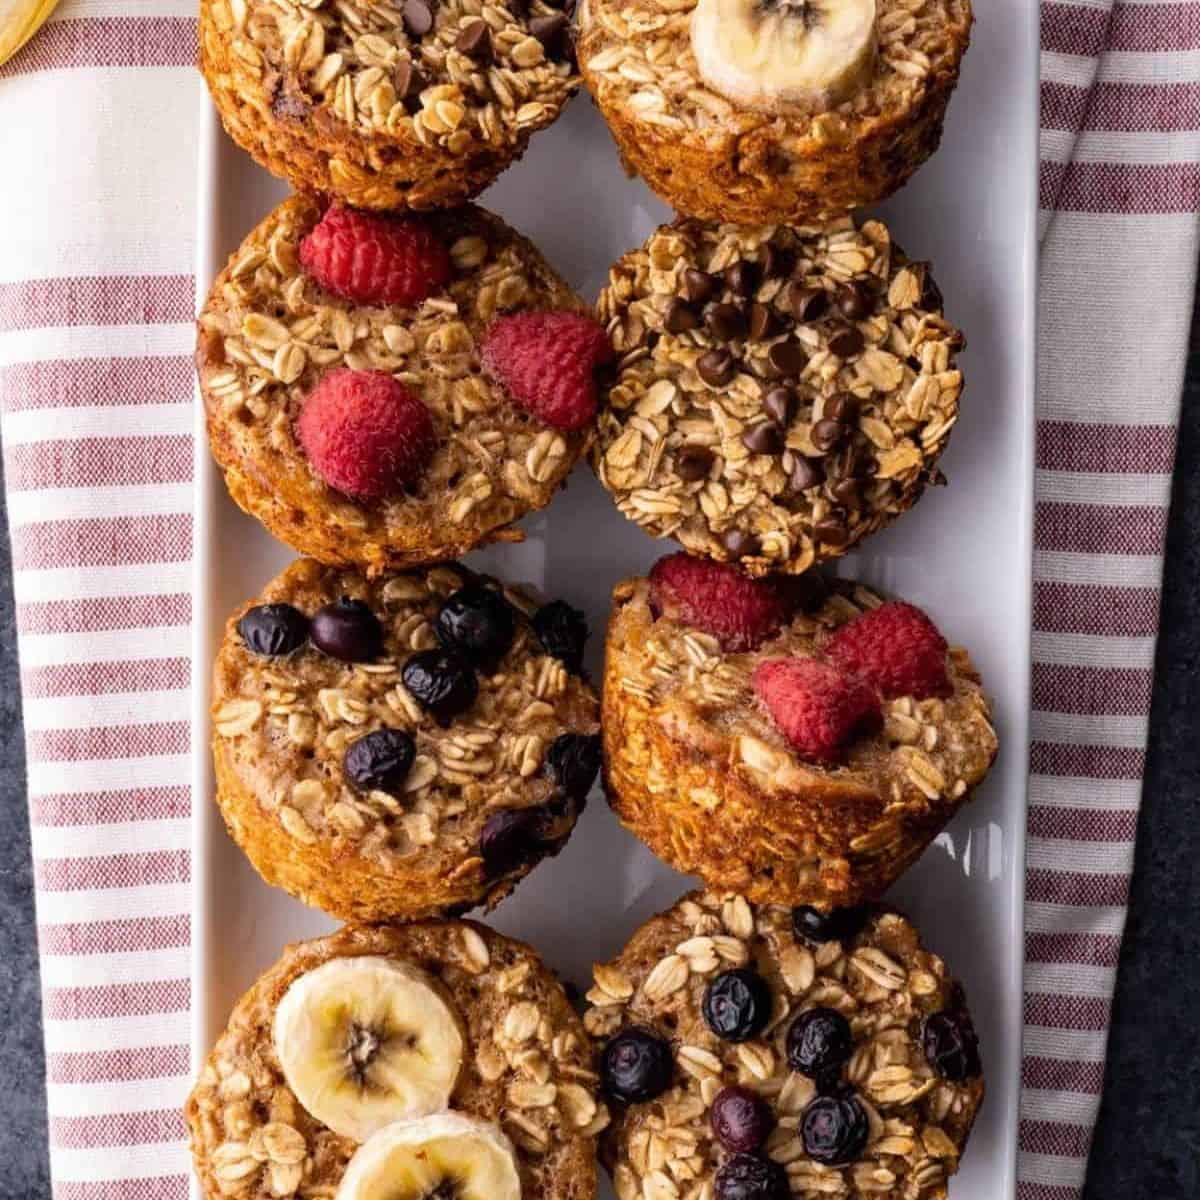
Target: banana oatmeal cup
(418, 104)
(387, 390)
(404, 746)
(797, 741)
(760, 1053)
(773, 110)
(779, 392)
(404, 1062)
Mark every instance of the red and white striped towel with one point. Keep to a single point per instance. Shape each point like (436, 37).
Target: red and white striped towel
(96, 299)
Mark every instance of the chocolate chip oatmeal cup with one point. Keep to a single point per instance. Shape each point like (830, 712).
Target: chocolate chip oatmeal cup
(382, 391)
(419, 104)
(403, 746)
(799, 742)
(755, 111)
(754, 1052)
(431, 1059)
(780, 393)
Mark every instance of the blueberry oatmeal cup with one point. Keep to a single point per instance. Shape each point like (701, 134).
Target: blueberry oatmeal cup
(797, 741)
(416, 104)
(384, 391)
(773, 110)
(760, 1053)
(404, 746)
(779, 392)
(397, 1061)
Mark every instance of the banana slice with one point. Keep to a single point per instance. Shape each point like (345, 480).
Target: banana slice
(365, 1042)
(772, 54)
(19, 21)
(448, 1155)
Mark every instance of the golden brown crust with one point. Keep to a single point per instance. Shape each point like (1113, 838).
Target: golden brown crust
(716, 162)
(241, 1107)
(268, 332)
(695, 769)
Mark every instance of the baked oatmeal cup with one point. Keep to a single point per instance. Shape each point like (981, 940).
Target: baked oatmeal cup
(759, 1053)
(796, 741)
(383, 391)
(394, 1061)
(418, 104)
(404, 746)
(754, 111)
(780, 392)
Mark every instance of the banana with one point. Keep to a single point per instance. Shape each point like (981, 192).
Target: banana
(774, 54)
(444, 1157)
(19, 21)
(364, 1042)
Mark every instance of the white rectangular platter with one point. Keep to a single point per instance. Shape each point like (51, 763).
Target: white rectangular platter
(963, 553)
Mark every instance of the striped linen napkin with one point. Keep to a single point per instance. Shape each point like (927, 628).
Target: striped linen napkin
(99, 115)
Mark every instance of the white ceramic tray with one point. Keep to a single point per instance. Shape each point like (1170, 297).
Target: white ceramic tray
(963, 553)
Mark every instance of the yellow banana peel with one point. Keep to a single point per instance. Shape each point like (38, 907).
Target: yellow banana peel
(19, 21)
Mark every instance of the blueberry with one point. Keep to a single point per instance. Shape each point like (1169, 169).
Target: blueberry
(441, 681)
(741, 1120)
(951, 1046)
(839, 925)
(478, 622)
(512, 837)
(380, 761)
(563, 633)
(819, 1044)
(349, 630)
(273, 629)
(834, 1129)
(737, 1005)
(746, 1177)
(574, 760)
(636, 1066)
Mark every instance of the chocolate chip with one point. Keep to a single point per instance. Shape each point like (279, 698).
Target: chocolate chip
(418, 18)
(549, 30)
(847, 492)
(698, 286)
(831, 531)
(827, 434)
(764, 438)
(776, 263)
(408, 81)
(679, 317)
(938, 478)
(807, 303)
(850, 462)
(763, 322)
(742, 278)
(806, 473)
(716, 368)
(842, 407)
(726, 322)
(290, 107)
(846, 343)
(788, 357)
(931, 294)
(739, 543)
(693, 462)
(854, 301)
(475, 41)
(780, 405)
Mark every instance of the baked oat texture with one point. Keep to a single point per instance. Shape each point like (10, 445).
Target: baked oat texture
(883, 981)
(351, 100)
(282, 726)
(268, 332)
(708, 158)
(691, 443)
(527, 1068)
(695, 767)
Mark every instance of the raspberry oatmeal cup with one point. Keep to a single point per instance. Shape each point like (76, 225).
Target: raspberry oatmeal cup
(754, 111)
(796, 741)
(384, 391)
(397, 1061)
(404, 746)
(420, 104)
(762, 1052)
(780, 393)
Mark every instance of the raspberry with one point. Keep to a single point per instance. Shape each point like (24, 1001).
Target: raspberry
(741, 613)
(816, 707)
(546, 361)
(373, 259)
(896, 648)
(364, 433)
